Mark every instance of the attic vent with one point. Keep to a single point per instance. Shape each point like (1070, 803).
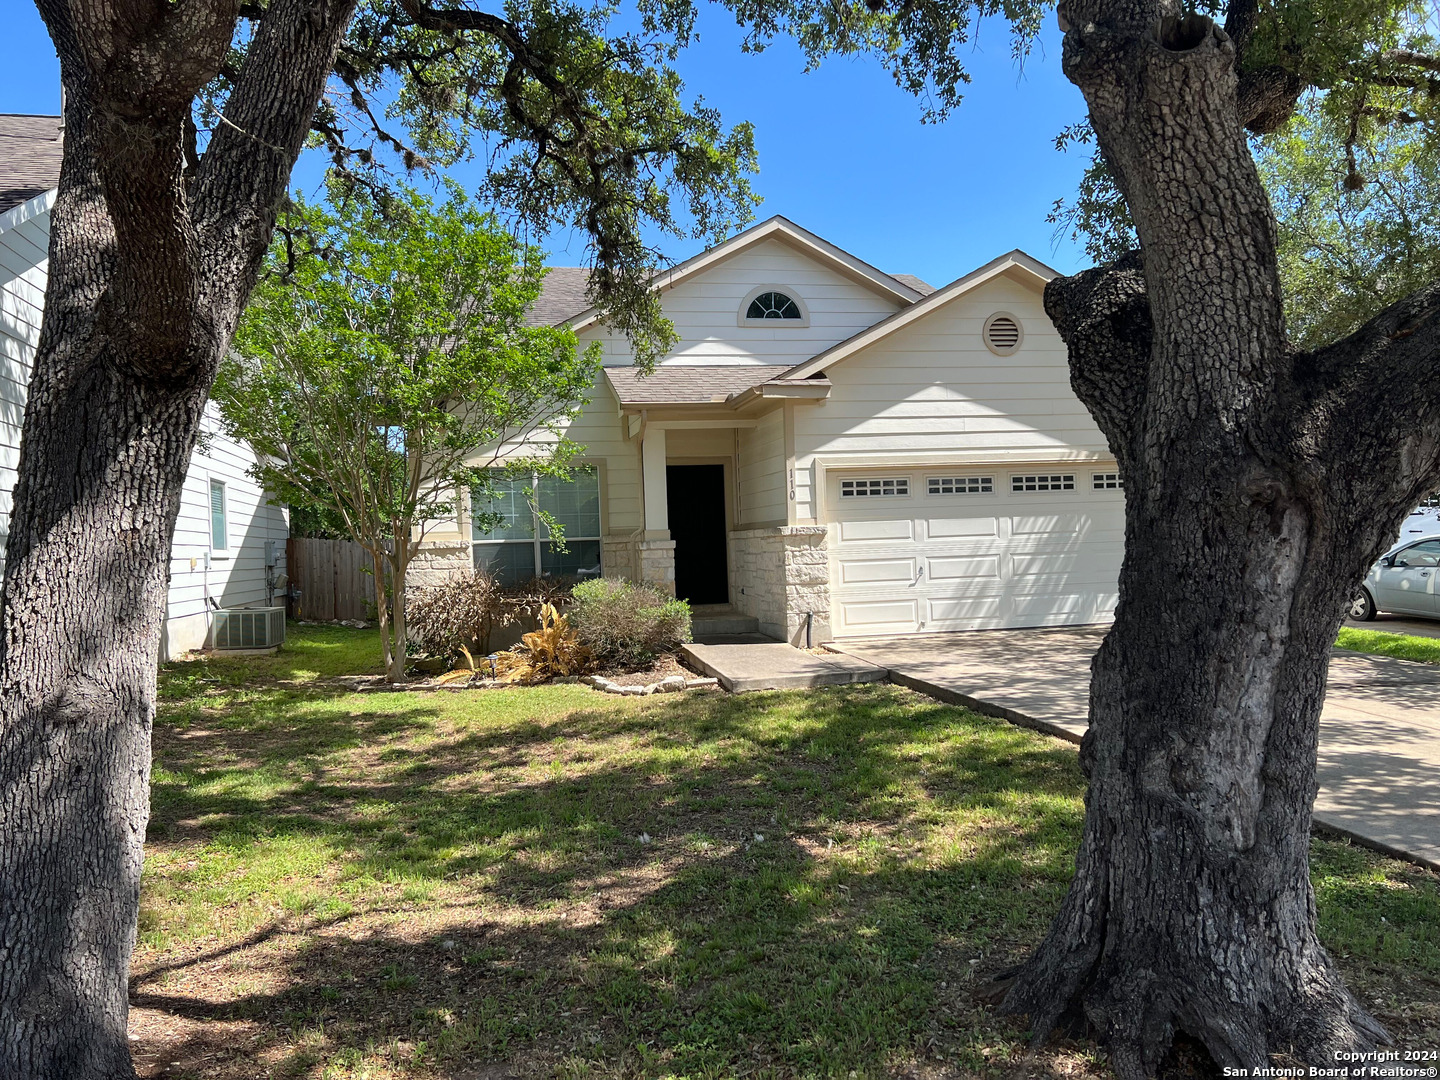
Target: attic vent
(1002, 333)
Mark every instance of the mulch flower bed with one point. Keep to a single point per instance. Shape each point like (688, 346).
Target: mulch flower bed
(665, 675)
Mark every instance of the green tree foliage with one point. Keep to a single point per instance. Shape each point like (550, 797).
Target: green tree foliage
(384, 359)
(1353, 176)
(580, 125)
(1358, 227)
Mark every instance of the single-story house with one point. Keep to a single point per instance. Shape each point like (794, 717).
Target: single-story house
(229, 546)
(830, 449)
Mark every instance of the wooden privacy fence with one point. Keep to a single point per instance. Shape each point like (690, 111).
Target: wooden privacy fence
(333, 577)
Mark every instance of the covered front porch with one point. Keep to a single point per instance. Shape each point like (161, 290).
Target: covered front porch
(717, 498)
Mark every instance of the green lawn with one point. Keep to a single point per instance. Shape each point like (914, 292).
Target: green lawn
(1400, 646)
(561, 883)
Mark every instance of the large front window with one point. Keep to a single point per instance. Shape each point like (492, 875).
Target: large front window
(519, 547)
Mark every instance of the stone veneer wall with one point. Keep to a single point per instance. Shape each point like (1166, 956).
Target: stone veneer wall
(757, 573)
(649, 562)
(619, 557)
(437, 562)
(656, 559)
(778, 575)
(807, 582)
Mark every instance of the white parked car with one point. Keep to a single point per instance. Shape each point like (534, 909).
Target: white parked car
(1404, 581)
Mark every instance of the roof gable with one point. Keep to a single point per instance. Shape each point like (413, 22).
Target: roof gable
(787, 232)
(1016, 265)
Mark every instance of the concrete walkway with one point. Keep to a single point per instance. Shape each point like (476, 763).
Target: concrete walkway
(774, 665)
(1379, 762)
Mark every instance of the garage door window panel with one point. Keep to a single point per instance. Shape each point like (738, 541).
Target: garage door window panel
(960, 485)
(1039, 482)
(885, 487)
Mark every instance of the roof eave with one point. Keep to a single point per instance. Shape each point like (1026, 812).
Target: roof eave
(32, 207)
(766, 395)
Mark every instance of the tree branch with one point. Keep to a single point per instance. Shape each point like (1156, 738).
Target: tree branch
(246, 168)
(1103, 315)
(1410, 58)
(1388, 368)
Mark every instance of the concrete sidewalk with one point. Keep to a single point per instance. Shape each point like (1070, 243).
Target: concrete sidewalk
(774, 665)
(1379, 762)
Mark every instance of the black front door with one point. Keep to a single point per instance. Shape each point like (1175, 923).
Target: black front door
(696, 502)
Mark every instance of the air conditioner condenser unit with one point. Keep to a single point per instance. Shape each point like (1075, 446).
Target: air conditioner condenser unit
(248, 628)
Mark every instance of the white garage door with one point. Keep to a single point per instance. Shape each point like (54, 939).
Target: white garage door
(973, 549)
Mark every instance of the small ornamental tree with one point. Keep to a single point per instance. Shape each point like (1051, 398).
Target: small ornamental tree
(382, 357)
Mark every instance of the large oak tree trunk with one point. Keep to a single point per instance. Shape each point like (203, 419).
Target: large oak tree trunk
(104, 455)
(149, 268)
(1259, 484)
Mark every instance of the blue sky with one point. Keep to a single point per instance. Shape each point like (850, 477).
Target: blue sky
(842, 151)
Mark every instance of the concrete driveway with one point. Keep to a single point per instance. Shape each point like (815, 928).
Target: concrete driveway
(1379, 766)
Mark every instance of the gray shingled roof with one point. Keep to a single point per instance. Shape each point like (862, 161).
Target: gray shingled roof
(924, 288)
(562, 296)
(29, 157)
(677, 384)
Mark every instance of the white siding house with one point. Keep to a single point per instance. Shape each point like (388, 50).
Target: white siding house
(835, 450)
(219, 555)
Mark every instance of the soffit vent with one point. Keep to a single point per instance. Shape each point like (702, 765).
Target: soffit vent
(1003, 333)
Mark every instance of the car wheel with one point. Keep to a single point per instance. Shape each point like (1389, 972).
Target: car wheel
(1362, 606)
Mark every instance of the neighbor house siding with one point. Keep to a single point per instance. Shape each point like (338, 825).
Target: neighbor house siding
(24, 249)
(236, 577)
(762, 472)
(933, 389)
(236, 580)
(705, 311)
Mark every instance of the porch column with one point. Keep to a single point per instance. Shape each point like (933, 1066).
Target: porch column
(656, 551)
(652, 468)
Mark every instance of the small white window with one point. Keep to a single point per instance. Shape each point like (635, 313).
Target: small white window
(959, 485)
(851, 489)
(1003, 334)
(1108, 481)
(1043, 482)
(219, 526)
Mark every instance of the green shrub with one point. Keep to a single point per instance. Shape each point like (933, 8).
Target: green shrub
(627, 625)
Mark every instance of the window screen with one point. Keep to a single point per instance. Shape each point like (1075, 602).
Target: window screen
(518, 547)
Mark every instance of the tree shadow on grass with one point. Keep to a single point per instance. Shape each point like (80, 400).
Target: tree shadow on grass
(798, 884)
(759, 960)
